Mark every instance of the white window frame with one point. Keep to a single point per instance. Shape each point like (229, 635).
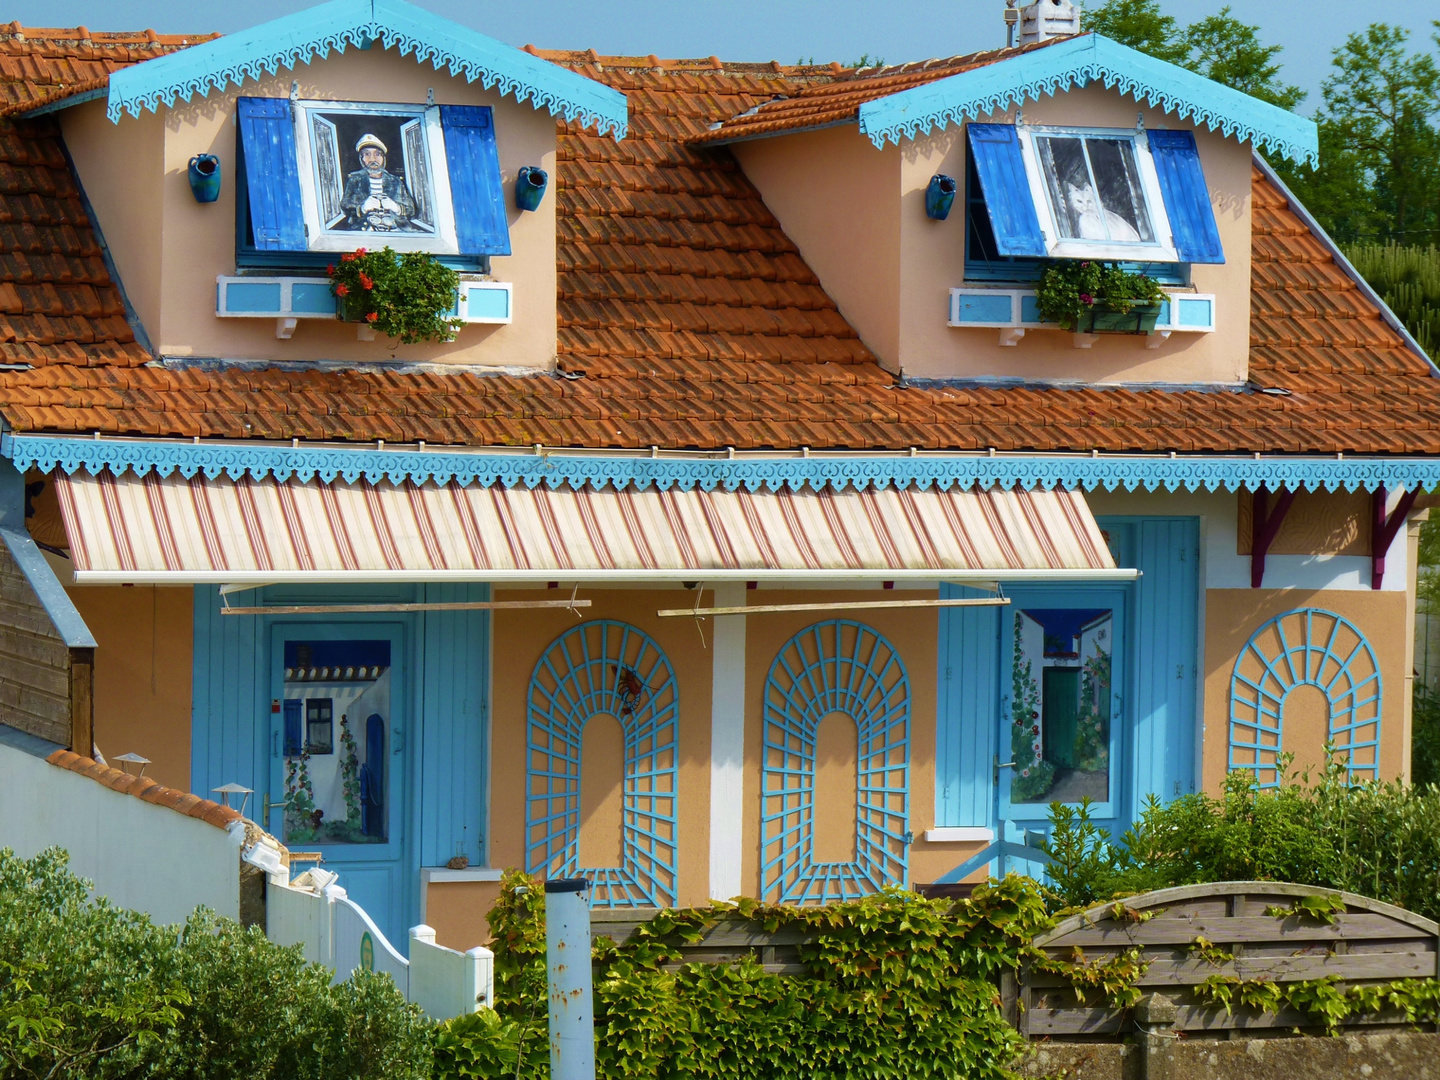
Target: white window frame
(318, 238)
(1161, 250)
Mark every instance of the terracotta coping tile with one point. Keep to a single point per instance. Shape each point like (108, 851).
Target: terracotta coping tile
(146, 789)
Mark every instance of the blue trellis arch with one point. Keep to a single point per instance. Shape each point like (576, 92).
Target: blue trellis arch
(604, 668)
(1305, 647)
(845, 667)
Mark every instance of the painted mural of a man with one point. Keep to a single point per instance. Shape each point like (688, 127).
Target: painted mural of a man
(374, 198)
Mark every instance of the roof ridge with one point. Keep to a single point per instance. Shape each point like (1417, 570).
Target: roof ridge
(15, 31)
(146, 790)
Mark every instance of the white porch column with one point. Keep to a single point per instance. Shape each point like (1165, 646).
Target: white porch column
(727, 746)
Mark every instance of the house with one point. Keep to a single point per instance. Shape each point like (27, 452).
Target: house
(450, 607)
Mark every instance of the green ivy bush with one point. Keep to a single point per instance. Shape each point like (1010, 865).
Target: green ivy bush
(1380, 840)
(90, 990)
(897, 986)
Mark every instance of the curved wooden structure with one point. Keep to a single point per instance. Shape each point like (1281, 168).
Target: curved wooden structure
(1368, 942)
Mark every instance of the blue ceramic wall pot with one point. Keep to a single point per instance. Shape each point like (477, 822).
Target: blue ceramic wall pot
(530, 187)
(940, 196)
(205, 177)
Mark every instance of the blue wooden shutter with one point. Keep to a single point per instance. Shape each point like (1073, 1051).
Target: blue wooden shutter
(475, 190)
(1166, 624)
(1187, 199)
(1006, 188)
(267, 136)
(969, 705)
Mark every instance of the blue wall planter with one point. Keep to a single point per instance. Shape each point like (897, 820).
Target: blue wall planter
(940, 196)
(530, 187)
(205, 177)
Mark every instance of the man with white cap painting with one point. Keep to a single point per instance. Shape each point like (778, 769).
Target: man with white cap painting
(375, 199)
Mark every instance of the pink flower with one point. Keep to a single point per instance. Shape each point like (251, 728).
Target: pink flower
(1035, 729)
(1086, 299)
(1084, 266)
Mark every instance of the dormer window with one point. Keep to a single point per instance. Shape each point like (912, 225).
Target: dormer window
(320, 177)
(1131, 196)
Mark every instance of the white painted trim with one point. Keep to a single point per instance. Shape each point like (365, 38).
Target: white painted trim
(960, 834)
(435, 875)
(1017, 320)
(285, 309)
(727, 746)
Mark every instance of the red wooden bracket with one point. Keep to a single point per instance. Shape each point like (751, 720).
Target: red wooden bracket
(1264, 525)
(1383, 528)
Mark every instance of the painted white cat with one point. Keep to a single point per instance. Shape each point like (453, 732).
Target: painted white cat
(1089, 224)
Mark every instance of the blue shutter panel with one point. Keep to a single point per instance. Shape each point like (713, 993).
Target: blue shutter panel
(267, 136)
(1166, 625)
(1006, 188)
(969, 700)
(475, 190)
(1187, 199)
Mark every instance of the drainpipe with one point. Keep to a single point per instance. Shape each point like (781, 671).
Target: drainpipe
(567, 963)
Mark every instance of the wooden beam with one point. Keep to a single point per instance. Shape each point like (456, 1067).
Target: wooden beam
(82, 701)
(1264, 527)
(369, 609)
(857, 605)
(1383, 529)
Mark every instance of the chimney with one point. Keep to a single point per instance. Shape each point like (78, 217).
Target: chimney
(1046, 19)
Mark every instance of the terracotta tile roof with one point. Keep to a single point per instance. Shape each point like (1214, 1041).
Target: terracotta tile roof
(838, 100)
(687, 319)
(206, 810)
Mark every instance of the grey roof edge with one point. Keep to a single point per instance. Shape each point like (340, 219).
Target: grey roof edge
(27, 743)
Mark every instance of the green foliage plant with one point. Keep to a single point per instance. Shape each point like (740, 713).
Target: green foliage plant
(1071, 288)
(88, 990)
(1408, 280)
(895, 986)
(1377, 839)
(404, 296)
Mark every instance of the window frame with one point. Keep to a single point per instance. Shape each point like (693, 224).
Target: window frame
(1162, 250)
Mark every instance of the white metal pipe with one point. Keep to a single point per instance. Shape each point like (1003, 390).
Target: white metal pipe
(570, 577)
(567, 962)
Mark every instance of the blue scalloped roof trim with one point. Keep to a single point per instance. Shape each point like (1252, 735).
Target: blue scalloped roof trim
(1078, 62)
(556, 469)
(333, 27)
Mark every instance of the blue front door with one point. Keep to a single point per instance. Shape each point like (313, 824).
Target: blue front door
(1062, 723)
(338, 757)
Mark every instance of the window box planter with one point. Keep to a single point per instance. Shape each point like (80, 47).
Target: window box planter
(1102, 319)
(289, 300)
(1014, 312)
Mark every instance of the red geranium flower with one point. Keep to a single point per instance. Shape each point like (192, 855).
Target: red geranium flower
(330, 270)
(342, 290)
(359, 252)
(372, 316)
(365, 281)
(349, 256)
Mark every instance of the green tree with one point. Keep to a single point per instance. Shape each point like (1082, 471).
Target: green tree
(1139, 24)
(1229, 51)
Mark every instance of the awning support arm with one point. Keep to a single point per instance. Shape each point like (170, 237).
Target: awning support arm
(698, 613)
(1383, 529)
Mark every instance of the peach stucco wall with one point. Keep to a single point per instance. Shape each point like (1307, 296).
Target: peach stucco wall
(858, 216)
(169, 248)
(145, 641)
(835, 195)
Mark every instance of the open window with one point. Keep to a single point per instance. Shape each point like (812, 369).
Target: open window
(320, 177)
(1131, 196)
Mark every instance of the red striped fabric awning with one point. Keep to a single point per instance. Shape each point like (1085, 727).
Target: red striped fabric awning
(172, 529)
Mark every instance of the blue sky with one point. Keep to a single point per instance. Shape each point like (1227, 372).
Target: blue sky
(784, 30)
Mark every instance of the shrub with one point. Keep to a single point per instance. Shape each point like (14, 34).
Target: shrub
(1425, 736)
(897, 985)
(406, 296)
(1408, 279)
(90, 990)
(1378, 839)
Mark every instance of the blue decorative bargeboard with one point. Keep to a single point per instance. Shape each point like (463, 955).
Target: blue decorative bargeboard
(1305, 647)
(753, 472)
(604, 668)
(988, 90)
(845, 667)
(300, 37)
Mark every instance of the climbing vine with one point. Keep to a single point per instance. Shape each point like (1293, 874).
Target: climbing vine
(1033, 774)
(1092, 739)
(895, 985)
(349, 773)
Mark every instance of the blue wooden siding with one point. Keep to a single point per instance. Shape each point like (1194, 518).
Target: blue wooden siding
(969, 707)
(448, 707)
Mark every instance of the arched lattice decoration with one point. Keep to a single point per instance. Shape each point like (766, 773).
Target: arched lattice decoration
(845, 667)
(1305, 647)
(604, 668)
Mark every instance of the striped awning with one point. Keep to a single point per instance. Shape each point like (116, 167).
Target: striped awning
(172, 529)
